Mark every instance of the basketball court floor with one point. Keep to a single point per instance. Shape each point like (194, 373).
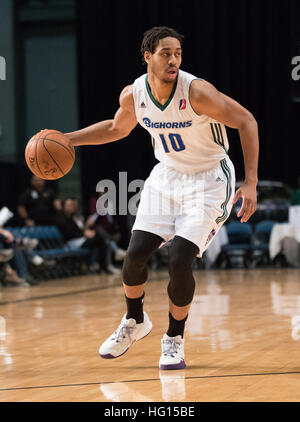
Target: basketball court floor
(242, 340)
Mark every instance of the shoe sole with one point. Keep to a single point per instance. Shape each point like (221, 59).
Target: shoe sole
(109, 356)
(180, 365)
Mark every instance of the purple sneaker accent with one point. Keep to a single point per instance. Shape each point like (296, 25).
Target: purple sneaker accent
(109, 356)
(180, 365)
(172, 356)
(126, 334)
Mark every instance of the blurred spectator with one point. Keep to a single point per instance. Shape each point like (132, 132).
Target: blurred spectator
(11, 277)
(106, 225)
(5, 254)
(117, 222)
(23, 253)
(295, 199)
(78, 236)
(78, 217)
(22, 250)
(16, 268)
(5, 215)
(37, 204)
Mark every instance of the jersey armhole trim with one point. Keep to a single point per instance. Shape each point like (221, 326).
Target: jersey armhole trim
(195, 79)
(135, 103)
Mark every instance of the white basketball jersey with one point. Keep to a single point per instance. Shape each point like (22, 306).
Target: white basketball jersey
(182, 139)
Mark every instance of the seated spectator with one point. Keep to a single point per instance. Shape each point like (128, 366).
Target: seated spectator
(37, 204)
(81, 237)
(5, 215)
(22, 250)
(16, 267)
(11, 277)
(107, 226)
(5, 254)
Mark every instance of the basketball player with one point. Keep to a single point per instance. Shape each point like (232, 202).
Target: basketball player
(186, 117)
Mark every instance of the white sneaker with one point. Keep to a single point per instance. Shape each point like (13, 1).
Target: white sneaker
(127, 333)
(172, 353)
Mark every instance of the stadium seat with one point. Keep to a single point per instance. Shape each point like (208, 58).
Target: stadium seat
(52, 248)
(237, 252)
(260, 242)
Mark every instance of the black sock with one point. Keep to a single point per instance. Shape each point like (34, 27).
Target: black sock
(135, 308)
(176, 328)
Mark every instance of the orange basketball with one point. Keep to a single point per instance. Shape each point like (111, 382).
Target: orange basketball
(49, 154)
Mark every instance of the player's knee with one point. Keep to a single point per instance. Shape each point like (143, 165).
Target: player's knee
(178, 264)
(140, 248)
(136, 256)
(134, 267)
(181, 256)
(181, 293)
(182, 284)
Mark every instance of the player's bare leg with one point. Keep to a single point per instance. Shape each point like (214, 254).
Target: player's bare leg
(178, 312)
(133, 292)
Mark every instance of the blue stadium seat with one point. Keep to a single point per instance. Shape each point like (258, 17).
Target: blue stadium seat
(260, 242)
(52, 247)
(239, 244)
(262, 233)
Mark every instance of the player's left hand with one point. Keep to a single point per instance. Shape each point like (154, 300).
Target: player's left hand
(249, 200)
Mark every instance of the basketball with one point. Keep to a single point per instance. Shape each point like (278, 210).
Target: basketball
(49, 154)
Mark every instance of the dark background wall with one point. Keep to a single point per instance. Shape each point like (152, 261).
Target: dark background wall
(243, 47)
(91, 49)
(39, 42)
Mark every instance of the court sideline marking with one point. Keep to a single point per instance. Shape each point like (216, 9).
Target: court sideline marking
(146, 380)
(74, 292)
(70, 293)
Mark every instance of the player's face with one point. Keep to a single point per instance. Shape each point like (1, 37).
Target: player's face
(166, 60)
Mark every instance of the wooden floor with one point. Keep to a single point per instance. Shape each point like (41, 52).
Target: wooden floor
(242, 340)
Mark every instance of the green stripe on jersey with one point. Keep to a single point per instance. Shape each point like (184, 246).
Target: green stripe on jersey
(226, 171)
(162, 107)
(217, 133)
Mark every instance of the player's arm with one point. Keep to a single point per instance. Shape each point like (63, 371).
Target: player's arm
(111, 130)
(206, 99)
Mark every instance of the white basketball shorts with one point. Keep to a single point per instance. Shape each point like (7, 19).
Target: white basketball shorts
(192, 206)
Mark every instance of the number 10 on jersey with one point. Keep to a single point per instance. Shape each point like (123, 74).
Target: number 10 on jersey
(175, 141)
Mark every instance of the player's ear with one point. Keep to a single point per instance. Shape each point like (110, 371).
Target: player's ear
(147, 56)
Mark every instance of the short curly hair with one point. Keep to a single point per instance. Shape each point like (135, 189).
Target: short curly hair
(153, 35)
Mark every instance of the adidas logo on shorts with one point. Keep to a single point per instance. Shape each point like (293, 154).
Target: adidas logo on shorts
(143, 105)
(218, 179)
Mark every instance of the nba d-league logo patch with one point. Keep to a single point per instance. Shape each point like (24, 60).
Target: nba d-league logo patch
(182, 104)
